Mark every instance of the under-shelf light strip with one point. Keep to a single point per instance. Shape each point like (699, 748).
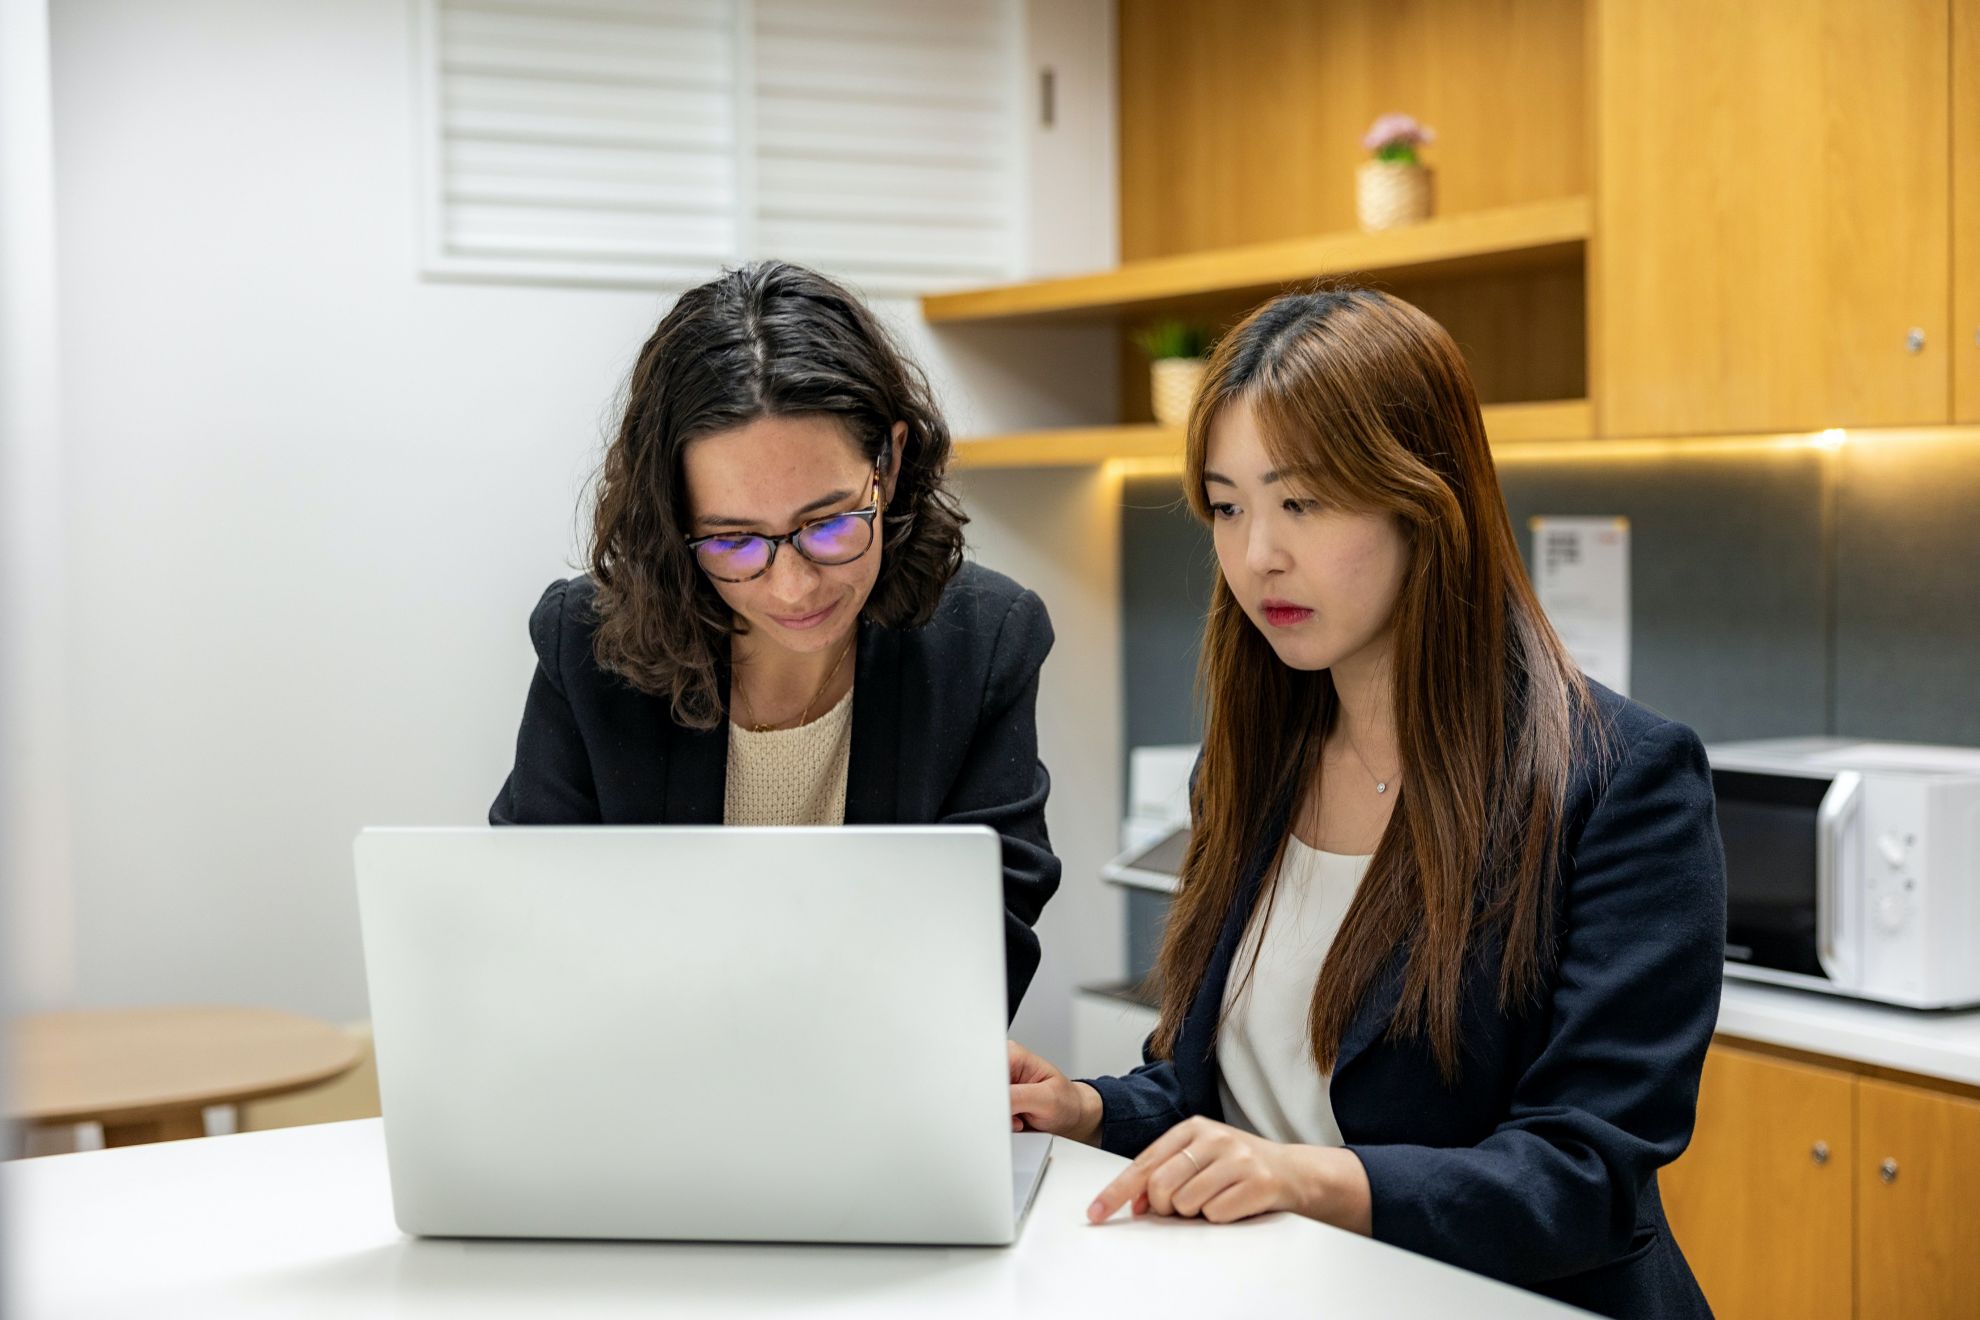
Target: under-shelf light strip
(1830, 441)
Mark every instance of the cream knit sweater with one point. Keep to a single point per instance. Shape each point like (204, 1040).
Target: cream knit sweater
(790, 776)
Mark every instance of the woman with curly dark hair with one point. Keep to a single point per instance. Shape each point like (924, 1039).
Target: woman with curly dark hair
(778, 627)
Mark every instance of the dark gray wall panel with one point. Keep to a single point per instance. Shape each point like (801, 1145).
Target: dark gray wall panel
(1908, 590)
(1728, 598)
(1729, 614)
(1166, 570)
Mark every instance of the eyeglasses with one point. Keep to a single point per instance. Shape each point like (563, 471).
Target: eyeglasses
(837, 538)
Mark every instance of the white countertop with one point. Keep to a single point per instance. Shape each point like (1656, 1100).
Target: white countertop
(1932, 1044)
(298, 1222)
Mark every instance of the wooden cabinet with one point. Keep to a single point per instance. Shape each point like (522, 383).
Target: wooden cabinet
(1761, 1202)
(1966, 209)
(1242, 123)
(1811, 1191)
(1918, 1203)
(1772, 215)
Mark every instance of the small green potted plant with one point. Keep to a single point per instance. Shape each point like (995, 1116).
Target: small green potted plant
(1395, 187)
(1178, 351)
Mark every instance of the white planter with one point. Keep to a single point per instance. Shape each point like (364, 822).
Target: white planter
(1389, 194)
(1173, 383)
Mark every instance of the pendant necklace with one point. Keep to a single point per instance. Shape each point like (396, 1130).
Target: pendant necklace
(805, 717)
(1381, 784)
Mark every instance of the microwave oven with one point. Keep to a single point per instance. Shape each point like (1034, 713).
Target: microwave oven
(1853, 867)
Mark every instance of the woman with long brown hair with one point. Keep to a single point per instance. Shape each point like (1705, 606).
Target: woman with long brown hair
(778, 626)
(1445, 957)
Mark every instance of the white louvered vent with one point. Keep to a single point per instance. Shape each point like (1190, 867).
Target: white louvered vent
(650, 142)
(886, 136)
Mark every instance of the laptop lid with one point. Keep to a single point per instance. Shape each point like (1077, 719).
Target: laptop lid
(692, 1033)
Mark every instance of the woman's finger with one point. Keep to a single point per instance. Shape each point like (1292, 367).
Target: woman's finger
(1178, 1170)
(1031, 1097)
(1197, 1192)
(1127, 1186)
(1240, 1200)
(1132, 1181)
(1025, 1066)
(1202, 1145)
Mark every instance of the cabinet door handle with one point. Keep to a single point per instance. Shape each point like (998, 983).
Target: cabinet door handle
(1914, 341)
(1888, 1171)
(1820, 1153)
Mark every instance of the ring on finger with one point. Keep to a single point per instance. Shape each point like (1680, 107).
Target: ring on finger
(1192, 1160)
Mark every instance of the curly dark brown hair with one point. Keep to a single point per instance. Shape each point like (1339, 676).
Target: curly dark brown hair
(767, 340)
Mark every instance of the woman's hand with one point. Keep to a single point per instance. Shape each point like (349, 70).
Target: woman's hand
(1043, 1100)
(1201, 1168)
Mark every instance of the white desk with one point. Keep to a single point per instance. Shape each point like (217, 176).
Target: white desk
(298, 1223)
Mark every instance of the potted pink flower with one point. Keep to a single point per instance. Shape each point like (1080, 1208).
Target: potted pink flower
(1394, 188)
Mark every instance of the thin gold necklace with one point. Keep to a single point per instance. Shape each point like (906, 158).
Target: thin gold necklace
(805, 717)
(1381, 784)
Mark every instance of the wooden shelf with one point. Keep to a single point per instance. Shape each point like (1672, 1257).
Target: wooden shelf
(1505, 423)
(1523, 423)
(1084, 446)
(1540, 234)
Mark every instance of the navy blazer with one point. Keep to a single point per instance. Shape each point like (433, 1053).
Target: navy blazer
(1539, 1166)
(944, 731)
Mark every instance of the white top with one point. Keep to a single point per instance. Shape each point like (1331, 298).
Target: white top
(298, 1223)
(1264, 1051)
(791, 776)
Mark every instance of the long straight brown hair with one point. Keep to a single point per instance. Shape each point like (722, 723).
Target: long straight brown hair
(1366, 401)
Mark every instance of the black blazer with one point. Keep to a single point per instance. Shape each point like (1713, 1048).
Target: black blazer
(944, 731)
(1539, 1166)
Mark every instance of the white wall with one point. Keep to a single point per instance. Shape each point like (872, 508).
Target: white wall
(1075, 218)
(1075, 567)
(310, 499)
(34, 868)
(36, 941)
(1058, 530)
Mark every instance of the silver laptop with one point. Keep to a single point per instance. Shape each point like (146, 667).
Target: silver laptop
(767, 1035)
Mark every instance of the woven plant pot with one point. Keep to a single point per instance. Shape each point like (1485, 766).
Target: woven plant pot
(1389, 194)
(1173, 384)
